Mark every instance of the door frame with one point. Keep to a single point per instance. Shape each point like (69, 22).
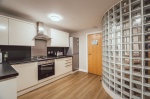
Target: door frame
(87, 47)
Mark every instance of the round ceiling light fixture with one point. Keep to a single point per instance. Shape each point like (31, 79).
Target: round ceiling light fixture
(55, 17)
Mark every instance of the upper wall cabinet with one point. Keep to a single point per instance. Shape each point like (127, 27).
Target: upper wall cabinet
(3, 31)
(59, 38)
(21, 33)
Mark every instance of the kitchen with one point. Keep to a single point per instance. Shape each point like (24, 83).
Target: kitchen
(54, 49)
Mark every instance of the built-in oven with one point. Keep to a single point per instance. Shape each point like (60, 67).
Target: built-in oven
(46, 68)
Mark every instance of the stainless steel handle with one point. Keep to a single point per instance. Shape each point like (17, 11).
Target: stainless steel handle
(67, 65)
(46, 65)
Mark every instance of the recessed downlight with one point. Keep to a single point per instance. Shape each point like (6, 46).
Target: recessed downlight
(55, 17)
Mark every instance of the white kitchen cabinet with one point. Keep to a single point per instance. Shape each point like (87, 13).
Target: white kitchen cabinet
(59, 38)
(21, 33)
(62, 66)
(28, 75)
(3, 31)
(8, 88)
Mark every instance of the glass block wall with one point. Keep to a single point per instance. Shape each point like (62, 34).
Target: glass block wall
(126, 49)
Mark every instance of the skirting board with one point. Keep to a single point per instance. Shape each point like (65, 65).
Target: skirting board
(112, 94)
(83, 70)
(42, 84)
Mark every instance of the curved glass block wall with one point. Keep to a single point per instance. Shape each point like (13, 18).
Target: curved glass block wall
(126, 49)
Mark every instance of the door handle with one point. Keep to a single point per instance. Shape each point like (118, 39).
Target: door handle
(89, 54)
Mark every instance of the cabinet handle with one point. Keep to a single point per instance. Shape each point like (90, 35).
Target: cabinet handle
(68, 62)
(67, 65)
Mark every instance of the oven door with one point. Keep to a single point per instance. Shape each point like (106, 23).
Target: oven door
(45, 70)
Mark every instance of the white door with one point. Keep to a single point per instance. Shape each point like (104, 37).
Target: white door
(59, 38)
(28, 75)
(21, 33)
(3, 31)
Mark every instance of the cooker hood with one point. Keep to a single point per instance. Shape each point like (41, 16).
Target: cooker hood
(40, 32)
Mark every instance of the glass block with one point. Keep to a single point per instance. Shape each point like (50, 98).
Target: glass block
(125, 17)
(118, 81)
(136, 95)
(126, 32)
(146, 2)
(136, 87)
(118, 27)
(126, 54)
(126, 83)
(118, 74)
(136, 46)
(126, 76)
(136, 54)
(147, 28)
(126, 39)
(125, 25)
(147, 46)
(146, 10)
(126, 68)
(118, 67)
(137, 30)
(147, 19)
(137, 62)
(146, 97)
(147, 72)
(117, 7)
(126, 47)
(137, 71)
(125, 3)
(147, 80)
(118, 60)
(125, 9)
(118, 34)
(137, 38)
(117, 14)
(137, 79)
(147, 37)
(126, 91)
(137, 21)
(126, 61)
(136, 5)
(147, 90)
(147, 54)
(136, 14)
(118, 40)
(118, 47)
(117, 21)
(118, 53)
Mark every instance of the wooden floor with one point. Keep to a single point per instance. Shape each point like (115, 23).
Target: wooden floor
(79, 85)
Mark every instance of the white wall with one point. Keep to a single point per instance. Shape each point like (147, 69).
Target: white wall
(82, 35)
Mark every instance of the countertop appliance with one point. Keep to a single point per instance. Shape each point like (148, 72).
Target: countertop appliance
(46, 68)
(74, 51)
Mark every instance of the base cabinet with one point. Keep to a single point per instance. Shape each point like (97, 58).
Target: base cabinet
(8, 89)
(28, 75)
(63, 65)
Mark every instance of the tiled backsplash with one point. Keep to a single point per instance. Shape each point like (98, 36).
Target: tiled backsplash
(40, 48)
(16, 52)
(55, 49)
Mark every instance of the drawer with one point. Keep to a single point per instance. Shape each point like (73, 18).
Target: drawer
(68, 68)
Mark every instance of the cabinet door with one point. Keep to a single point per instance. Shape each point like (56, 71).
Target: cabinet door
(28, 75)
(59, 38)
(59, 66)
(68, 64)
(21, 33)
(3, 31)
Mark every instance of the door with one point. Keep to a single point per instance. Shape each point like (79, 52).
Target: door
(95, 54)
(3, 31)
(21, 33)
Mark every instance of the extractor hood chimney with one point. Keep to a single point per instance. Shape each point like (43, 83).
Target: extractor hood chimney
(40, 32)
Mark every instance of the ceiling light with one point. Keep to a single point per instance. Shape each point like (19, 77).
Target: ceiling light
(55, 17)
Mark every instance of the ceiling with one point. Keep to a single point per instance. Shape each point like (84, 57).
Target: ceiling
(77, 15)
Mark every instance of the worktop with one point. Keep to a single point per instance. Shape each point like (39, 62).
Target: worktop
(7, 71)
